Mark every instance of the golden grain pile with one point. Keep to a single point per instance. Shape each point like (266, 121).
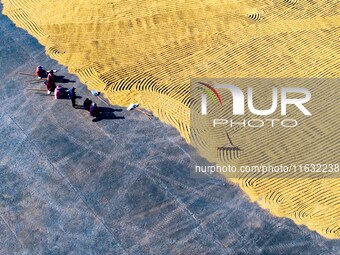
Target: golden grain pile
(147, 51)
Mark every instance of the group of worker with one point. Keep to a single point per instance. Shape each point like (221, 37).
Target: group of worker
(49, 77)
(59, 91)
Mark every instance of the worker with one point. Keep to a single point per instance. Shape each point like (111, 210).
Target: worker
(60, 92)
(94, 110)
(50, 83)
(72, 95)
(87, 104)
(40, 72)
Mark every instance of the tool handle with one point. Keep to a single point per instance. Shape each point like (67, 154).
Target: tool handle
(29, 74)
(230, 140)
(103, 101)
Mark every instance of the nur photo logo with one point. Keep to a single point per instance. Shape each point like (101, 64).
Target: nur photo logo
(263, 121)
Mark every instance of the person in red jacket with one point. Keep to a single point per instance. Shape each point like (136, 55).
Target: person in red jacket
(40, 72)
(50, 83)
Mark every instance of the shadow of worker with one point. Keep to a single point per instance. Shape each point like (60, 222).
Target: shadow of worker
(106, 113)
(62, 79)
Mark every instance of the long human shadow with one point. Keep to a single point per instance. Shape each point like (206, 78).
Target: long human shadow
(58, 79)
(62, 79)
(105, 113)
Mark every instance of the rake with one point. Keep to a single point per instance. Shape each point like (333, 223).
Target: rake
(96, 94)
(228, 151)
(135, 107)
(36, 89)
(29, 74)
(35, 82)
(42, 79)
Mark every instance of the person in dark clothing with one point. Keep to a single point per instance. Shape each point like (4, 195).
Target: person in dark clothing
(94, 110)
(87, 104)
(72, 95)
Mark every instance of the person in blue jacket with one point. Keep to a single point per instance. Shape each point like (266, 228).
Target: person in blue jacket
(72, 95)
